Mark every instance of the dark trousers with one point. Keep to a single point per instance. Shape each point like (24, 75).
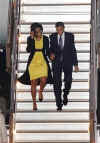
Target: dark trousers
(58, 68)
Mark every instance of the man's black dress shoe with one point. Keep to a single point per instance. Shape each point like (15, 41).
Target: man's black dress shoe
(59, 109)
(65, 100)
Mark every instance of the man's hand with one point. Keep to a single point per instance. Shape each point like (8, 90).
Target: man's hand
(52, 57)
(76, 69)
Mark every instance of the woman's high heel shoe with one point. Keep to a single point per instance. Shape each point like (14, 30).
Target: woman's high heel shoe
(40, 96)
(34, 107)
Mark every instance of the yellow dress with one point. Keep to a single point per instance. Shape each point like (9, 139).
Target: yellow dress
(38, 67)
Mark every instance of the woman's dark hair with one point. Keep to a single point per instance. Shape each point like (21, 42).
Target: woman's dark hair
(59, 24)
(33, 26)
(38, 25)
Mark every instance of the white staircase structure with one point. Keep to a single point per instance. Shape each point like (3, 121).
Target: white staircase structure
(47, 125)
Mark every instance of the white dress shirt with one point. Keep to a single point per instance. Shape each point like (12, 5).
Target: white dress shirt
(63, 38)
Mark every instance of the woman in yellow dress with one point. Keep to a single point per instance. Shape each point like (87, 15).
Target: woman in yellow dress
(38, 69)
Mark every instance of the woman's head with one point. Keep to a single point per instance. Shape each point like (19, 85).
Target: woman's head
(33, 25)
(38, 30)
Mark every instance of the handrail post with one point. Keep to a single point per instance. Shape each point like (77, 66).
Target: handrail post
(12, 128)
(93, 74)
(13, 41)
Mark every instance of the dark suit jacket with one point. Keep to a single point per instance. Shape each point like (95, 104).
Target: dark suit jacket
(69, 51)
(25, 79)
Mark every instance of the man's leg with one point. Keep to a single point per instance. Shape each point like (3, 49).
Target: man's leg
(68, 83)
(57, 73)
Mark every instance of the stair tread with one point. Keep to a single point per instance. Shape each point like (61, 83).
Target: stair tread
(70, 22)
(51, 127)
(80, 70)
(25, 61)
(56, 1)
(36, 117)
(75, 86)
(50, 90)
(50, 100)
(72, 106)
(75, 32)
(49, 97)
(57, 4)
(78, 37)
(76, 41)
(52, 137)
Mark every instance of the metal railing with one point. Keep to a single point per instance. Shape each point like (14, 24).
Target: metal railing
(14, 17)
(93, 74)
(14, 54)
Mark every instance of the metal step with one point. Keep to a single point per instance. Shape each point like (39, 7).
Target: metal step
(57, 4)
(25, 61)
(23, 37)
(74, 80)
(77, 13)
(72, 90)
(52, 127)
(80, 70)
(83, 66)
(77, 77)
(49, 97)
(50, 32)
(75, 85)
(52, 117)
(52, 138)
(51, 107)
(83, 58)
(48, 28)
(80, 47)
(51, 100)
(78, 51)
(76, 41)
(49, 23)
(39, 2)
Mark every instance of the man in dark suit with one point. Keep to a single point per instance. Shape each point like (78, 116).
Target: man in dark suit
(63, 55)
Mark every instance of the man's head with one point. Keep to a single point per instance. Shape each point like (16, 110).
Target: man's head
(60, 27)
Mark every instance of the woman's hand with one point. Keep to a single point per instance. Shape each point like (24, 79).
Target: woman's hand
(32, 35)
(52, 56)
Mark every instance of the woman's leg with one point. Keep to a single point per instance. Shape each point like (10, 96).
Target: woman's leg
(33, 91)
(42, 85)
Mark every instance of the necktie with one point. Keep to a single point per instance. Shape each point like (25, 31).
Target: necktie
(61, 48)
(60, 43)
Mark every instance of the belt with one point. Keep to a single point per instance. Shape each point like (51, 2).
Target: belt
(38, 50)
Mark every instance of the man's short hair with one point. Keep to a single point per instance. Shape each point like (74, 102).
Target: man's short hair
(58, 24)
